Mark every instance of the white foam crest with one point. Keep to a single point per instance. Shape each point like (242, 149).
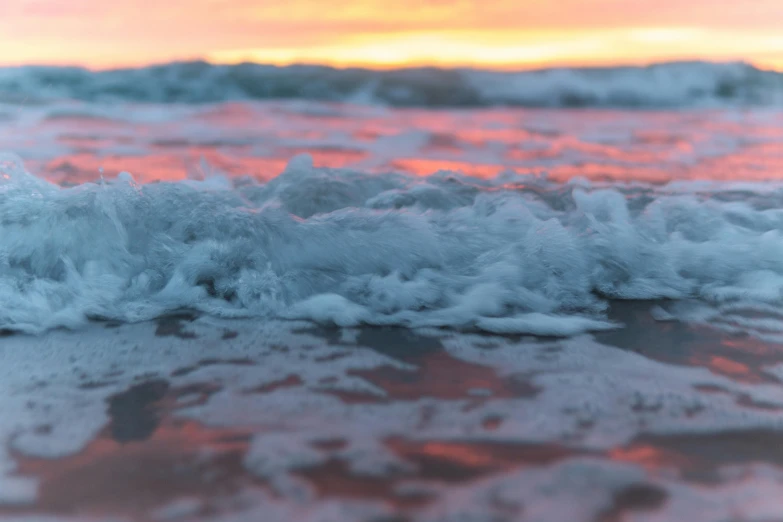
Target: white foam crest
(513, 255)
(674, 84)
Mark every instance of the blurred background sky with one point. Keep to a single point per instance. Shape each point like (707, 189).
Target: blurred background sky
(386, 33)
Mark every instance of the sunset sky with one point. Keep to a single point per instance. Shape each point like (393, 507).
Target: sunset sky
(382, 33)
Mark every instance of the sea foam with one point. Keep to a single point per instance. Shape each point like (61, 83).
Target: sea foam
(516, 254)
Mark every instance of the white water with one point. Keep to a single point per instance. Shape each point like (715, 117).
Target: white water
(512, 255)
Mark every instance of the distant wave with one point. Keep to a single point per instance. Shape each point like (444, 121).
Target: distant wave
(667, 85)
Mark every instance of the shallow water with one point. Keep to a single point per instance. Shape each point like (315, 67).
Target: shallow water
(195, 418)
(69, 142)
(360, 341)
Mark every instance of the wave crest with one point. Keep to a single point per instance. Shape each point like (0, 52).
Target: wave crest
(667, 85)
(513, 255)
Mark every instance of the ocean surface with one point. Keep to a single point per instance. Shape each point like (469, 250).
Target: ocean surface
(259, 293)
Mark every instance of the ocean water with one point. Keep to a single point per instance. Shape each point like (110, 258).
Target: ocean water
(423, 294)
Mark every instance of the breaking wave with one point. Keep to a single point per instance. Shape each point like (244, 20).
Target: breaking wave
(667, 85)
(516, 254)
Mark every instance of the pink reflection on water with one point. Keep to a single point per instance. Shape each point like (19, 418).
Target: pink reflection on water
(424, 167)
(109, 478)
(604, 172)
(257, 139)
(81, 168)
(650, 457)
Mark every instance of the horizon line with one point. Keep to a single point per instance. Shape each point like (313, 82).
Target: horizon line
(376, 67)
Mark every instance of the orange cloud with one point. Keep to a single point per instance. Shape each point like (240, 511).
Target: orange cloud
(506, 33)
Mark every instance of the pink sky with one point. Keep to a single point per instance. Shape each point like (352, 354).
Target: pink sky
(505, 33)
